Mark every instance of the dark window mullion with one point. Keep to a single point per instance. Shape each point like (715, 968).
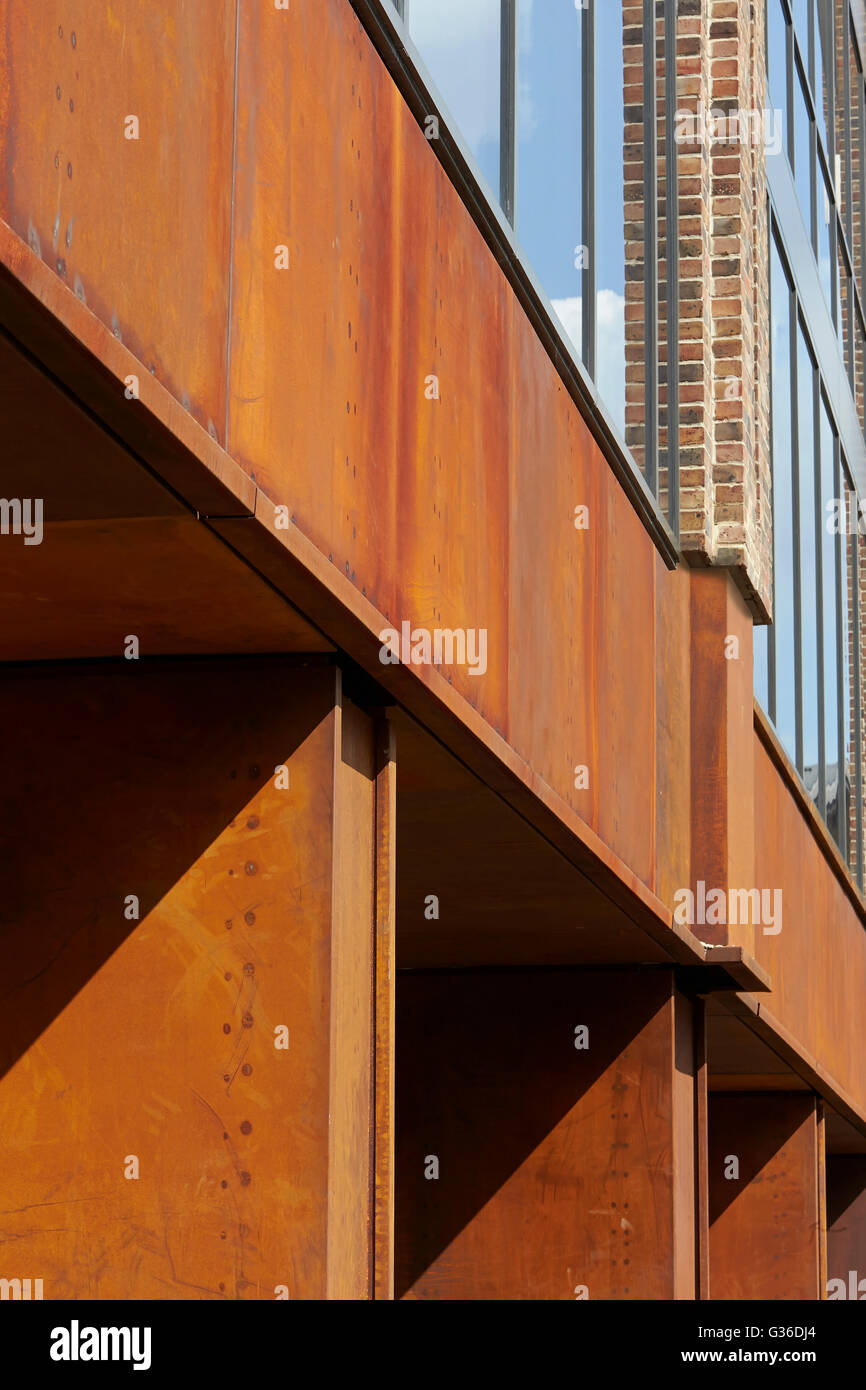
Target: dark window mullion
(789, 89)
(508, 108)
(855, 676)
(650, 243)
(795, 526)
(771, 636)
(861, 121)
(819, 588)
(846, 121)
(672, 254)
(843, 833)
(588, 104)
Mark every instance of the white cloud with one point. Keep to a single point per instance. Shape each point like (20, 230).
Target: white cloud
(459, 42)
(610, 345)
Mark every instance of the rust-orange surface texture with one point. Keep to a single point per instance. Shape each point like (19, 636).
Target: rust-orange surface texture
(281, 923)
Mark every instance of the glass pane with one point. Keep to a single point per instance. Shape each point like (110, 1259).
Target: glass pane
(800, 10)
(855, 92)
(459, 42)
(829, 605)
(841, 309)
(859, 358)
(802, 150)
(610, 240)
(826, 212)
(823, 71)
(808, 585)
(549, 123)
(783, 528)
(849, 552)
(776, 70)
(665, 500)
(840, 18)
(760, 678)
(845, 324)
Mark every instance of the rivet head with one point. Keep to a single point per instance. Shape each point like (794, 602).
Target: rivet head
(69, 171)
(227, 1027)
(249, 968)
(73, 40)
(246, 1127)
(250, 868)
(249, 918)
(254, 770)
(247, 1020)
(245, 1179)
(252, 823)
(247, 1069)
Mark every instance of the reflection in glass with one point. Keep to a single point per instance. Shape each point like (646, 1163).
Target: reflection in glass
(776, 69)
(841, 130)
(808, 588)
(609, 248)
(549, 223)
(783, 524)
(823, 72)
(855, 90)
(459, 43)
(834, 793)
(826, 213)
(844, 325)
(800, 10)
(840, 308)
(802, 152)
(849, 541)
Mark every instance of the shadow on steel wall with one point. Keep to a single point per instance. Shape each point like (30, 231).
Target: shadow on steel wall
(117, 776)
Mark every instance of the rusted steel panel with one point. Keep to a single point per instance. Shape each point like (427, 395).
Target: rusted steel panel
(157, 1038)
(673, 678)
(39, 310)
(723, 800)
(684, 1099)
(555, 1176)
(846, 1222)
(818, 960)
(702, 1190)
(764, 1222)
(424, 502)
(167, 581)
(386, 972)
(139, 227)
(351, 1104)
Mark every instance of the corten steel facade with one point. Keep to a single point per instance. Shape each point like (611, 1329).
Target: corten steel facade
(341, 957)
